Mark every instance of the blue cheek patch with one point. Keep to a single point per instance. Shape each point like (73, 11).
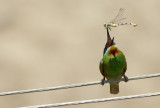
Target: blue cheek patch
(106, 52)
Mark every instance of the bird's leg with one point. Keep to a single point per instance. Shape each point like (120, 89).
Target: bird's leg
(125, 78)
(102, 81)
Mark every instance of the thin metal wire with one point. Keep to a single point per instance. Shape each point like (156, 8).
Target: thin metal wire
(76, 85)
(94, 100)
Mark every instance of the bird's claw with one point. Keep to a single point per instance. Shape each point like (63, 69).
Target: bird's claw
(102, 81)
(125, 78)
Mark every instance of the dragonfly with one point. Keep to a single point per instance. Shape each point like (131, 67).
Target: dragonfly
(117, 21)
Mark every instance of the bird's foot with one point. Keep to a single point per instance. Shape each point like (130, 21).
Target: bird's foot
(125, 78)
(102, 81)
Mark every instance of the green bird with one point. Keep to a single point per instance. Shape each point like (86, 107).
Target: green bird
(113, 64)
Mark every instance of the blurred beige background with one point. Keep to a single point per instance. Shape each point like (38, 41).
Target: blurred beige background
(46, 43)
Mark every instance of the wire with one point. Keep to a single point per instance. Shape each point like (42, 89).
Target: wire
(76, 85)
(95, 100)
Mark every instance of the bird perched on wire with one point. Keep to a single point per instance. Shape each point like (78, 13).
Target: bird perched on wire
(113, 64)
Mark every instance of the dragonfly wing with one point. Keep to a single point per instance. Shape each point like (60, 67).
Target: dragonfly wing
(119, 16)
(118, 21)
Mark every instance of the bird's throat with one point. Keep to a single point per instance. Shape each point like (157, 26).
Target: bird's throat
(113, 53)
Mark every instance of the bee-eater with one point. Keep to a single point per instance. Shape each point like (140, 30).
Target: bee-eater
(113, 64)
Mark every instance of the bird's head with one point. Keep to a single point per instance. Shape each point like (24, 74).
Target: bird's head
(112, 51)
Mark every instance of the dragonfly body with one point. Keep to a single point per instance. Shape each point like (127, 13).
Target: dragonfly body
(110, 24)
(114, 22)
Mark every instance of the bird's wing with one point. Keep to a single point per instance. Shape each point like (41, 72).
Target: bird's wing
(125, 70)
(101, 67)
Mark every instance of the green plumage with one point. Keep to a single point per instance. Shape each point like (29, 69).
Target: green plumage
(113, 64)
(113, 67)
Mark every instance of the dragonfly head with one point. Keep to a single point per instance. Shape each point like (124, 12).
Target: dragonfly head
(105, 25)
(109, 25)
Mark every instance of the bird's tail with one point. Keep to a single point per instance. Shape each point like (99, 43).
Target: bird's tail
(114, 88)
